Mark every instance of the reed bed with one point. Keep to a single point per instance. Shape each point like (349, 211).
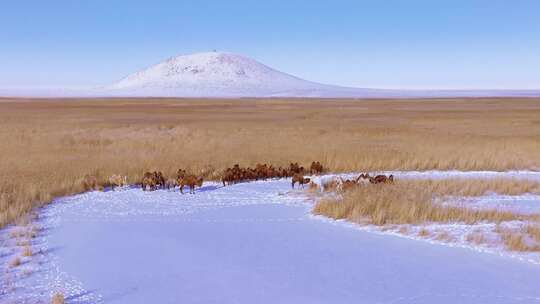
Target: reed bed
(412, 202)
(47, 146)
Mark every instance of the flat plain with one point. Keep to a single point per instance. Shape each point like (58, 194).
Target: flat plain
(48, 145)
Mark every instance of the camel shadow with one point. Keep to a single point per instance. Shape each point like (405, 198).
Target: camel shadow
(208, 188)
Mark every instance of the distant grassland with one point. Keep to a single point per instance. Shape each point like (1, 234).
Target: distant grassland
(46, 146)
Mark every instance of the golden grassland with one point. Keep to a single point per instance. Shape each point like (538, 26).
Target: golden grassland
(411, 202)
(47, 146)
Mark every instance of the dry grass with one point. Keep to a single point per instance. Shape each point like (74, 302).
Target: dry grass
(518, 240)
(478, 186)
(23, 242)
(57, 298)
(471, 186)
(444, 236)
(27, 252)
(476, 238)
(411, 202)
(524, 239)
(424, 232)
(16, 261)
(515, 242)
(49, 145)
(403, 230)
(534, 232)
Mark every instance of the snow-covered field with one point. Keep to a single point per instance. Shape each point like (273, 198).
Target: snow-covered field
(253, 243)
(522, 204)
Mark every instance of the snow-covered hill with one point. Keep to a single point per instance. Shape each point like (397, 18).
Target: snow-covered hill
(217, 74)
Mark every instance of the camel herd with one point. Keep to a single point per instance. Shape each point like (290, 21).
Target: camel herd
(156, 180)
(237, 174)
(347, 184)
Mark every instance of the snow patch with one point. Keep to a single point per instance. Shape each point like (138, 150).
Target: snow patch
(254, 243)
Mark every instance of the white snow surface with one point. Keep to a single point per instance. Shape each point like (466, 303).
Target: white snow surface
(219, 74)
(522, 204)
(222, 74)
(246, 243)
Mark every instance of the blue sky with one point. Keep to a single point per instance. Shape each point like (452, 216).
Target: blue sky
(387, 44)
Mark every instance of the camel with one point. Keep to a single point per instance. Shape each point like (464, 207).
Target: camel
(191, 181)
(316, 168)
(381, 179)
(171, 183)
(326, 182)
(228, 177)
(90, 183)
(238, 174)
(160, 179)
(363, 178)
(116, 180)
(262, 171)
(300, 179)
(348, 184)
(295, 168)
(180, 173)
(149, 180)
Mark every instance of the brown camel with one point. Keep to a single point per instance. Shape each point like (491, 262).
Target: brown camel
(116, 180)
(191, 181)
(316, 168)
(381, 179)
(149, 180)
(300, 179)
(90, 183)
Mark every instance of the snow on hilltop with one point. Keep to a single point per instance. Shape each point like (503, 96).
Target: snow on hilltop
(217, 70)
(215, 74)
